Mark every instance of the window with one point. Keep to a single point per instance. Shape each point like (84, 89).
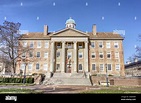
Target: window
(31, 44)
(80, 66)
(108, 55)
(29, 66)
(58, 54)
(116, 44)
(101, 55)
(93, 67)
(80, 45)
(30, 54)
(92, 44)
(57, 66)
(101, 44)
(108, 45)
(117, 67)
(23, 55)
(116, 55)
(38, 54)
(46, 55)
(69, 55)
(24, 44)
(39, 44)
(101, 67)
(109, 67)
(45, 66)
(58, 45)
(80, 54)
(46, 44)
(37, 66)
(69, 45)
(93, 55)
(22, 66)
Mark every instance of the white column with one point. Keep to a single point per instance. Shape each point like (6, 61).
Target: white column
(86, 57)
(52, 59)
(63, 57)
(75, 56)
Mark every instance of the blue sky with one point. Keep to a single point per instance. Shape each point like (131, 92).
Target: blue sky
(108, 15)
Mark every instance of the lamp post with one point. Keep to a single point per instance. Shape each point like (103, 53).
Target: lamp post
(106, 75)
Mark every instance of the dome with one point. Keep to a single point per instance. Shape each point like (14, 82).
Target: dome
(70, 21)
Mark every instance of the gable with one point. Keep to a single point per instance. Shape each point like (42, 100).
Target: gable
(70, 33)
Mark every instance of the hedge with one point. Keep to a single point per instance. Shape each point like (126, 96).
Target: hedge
(16, 80)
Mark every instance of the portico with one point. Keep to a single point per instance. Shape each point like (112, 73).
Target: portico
(69, 55)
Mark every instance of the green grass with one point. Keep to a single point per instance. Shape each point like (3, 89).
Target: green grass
(114, 90)
(19, 91)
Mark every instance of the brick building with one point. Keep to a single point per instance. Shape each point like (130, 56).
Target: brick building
(72, 51)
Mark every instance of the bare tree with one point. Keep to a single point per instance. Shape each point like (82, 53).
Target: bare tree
(9, 42)
(138, 49)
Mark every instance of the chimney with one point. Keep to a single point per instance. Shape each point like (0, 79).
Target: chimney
(94, 29)
(45, 29)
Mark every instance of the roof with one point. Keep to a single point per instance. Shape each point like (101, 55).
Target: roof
(105, 35)
(70, 21)
(35, 35)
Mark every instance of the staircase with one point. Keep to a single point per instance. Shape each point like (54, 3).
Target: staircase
(68, 79)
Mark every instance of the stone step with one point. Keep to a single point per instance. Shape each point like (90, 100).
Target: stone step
(68, 81)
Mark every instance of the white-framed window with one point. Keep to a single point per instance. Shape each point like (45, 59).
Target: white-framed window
(24, 55)
(80, 67)
(57, 66)
(93, 44)
(58, 45)
(116, 55)
(93, 55)
(22, 67)
(58, 54)
(108, 45)
(116, 45)
(45, 66)
(38, 44)
(24, 44)
(69, 55)
(93, 67)
(109, 55)
(100, 44)
(101, 66)
(80, 45)
(69, 45)
(38, 54)
(45, 54)
(46, 44)
(31, 44)
(101, 55)
(30, 54)
(37, 66)
(30, 66)
(80, 54)
(109, 67)
(117, 66)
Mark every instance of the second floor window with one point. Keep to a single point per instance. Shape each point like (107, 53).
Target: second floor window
(108, 45)
(116, 44)
(101, 55)
(58, 54)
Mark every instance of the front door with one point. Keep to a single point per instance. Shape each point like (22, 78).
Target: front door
(68, 66)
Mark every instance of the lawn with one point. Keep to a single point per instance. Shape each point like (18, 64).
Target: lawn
(114, 90)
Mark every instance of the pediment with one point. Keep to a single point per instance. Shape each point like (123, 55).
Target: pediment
(70, 32)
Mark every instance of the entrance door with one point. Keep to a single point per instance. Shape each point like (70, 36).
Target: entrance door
(68, 66)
